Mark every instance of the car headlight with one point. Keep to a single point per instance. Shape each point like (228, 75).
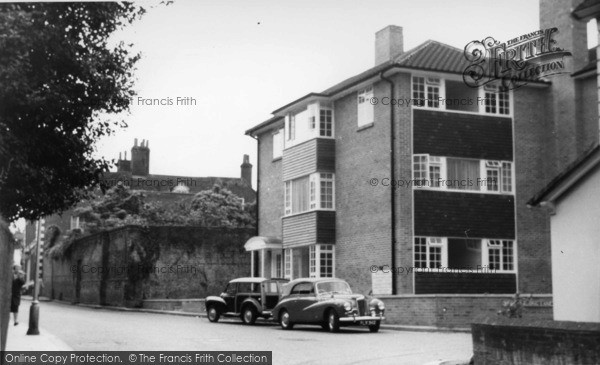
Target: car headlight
(377, 304)
(347, 306)
(380, 305)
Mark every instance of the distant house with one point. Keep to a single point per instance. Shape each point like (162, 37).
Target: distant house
(573, 199)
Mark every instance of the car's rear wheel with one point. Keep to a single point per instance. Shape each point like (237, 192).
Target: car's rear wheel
(333, 321)
(249, 315)
(213, 313)
(284, 320)
(374, 327)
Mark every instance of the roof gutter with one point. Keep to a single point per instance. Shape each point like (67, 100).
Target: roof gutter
(392, 177)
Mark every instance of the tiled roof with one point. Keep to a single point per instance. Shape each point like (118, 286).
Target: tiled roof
(430, 56)
(434, 56)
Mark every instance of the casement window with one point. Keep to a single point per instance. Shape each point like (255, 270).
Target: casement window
(435, 171)
(312, 192)
(316, 120)
(456, 174)
(366, 110)
(278, 144)
(326, 191)
(469, 255)
(492, 171)
(321, 261)
(496, 100)
(291, 128)
(426, 91)
(420, 169)
(501, 255)
(507, 177)
(430, 252)
(287, 271)
(498, 176)
(277, 265)
(326, 123)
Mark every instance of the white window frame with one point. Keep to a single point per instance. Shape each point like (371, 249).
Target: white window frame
(321, 130)
(441, 242)
(499, 244)
(278, 144)
(486, 246)
(314, 193)
(365, 111)
(500, 166)
(290, 127)
(484, 165)
(314, 256)
(287, 263)
(276, 264)
(429, 83)
(491, 94)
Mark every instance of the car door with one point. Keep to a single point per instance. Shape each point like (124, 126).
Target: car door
(229, 297)
(304, 297)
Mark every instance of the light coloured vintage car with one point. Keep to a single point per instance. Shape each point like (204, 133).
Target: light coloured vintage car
(328, 302)
(247, 298)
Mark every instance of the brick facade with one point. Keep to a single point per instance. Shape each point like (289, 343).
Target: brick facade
(546, 126)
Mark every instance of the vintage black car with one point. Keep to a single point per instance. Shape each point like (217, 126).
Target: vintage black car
(327, 302)
(247, 298)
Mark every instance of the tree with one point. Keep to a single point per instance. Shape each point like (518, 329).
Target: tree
(58, 76)
(221, 208)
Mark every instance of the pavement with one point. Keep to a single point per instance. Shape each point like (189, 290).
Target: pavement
(19, 340)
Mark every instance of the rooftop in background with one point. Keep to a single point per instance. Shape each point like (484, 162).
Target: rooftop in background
(135, 174)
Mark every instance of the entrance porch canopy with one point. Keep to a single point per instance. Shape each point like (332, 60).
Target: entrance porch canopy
(257, 243)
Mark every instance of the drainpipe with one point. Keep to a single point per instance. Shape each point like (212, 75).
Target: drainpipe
(257, 180)
(392, 177)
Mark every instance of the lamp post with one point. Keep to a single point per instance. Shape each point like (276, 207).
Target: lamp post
(34, 311)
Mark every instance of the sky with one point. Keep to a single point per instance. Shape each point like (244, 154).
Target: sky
(240, 60)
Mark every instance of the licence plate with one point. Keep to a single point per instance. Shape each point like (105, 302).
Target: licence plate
(369, 323)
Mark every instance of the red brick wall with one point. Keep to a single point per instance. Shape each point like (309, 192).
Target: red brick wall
(363, 235)
(270, 190)
(404, 195)
(587, 113)
(454, 311)
(534, 167)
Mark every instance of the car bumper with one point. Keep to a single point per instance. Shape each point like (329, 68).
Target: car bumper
(361, 318)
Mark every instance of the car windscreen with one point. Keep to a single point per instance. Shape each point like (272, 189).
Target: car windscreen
(333, 287)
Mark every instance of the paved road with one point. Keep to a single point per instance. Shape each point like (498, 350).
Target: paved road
(85, 328)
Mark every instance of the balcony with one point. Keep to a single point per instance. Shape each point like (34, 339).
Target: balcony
(309, 228)
(314, 155)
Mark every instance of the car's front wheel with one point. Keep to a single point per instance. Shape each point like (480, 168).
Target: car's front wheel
(374, 327)
(284, 320)
(249, 315)
(333, 321)
(213, 313)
